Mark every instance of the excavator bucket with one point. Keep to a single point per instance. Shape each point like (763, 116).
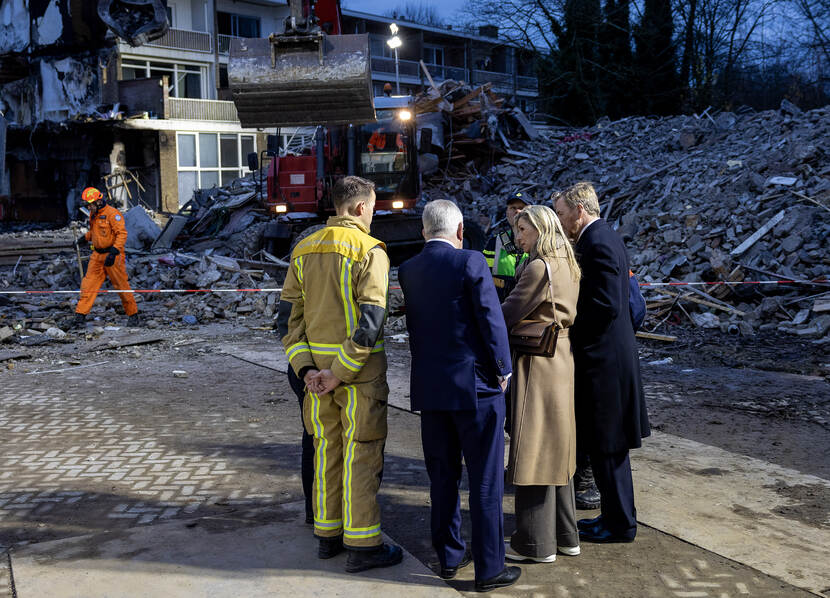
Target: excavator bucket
(301, 80)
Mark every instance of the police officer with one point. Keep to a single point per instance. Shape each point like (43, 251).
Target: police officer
(107, 235)
(336, 287)
(501, 251)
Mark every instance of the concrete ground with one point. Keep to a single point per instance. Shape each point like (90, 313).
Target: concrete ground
(123, 479)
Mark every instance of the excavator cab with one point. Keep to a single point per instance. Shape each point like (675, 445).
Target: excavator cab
(303, 77)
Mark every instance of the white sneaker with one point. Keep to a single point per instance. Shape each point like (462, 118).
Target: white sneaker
(569, 550)
(515, 556)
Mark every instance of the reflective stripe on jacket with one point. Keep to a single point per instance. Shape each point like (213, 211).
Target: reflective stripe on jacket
(337, 286)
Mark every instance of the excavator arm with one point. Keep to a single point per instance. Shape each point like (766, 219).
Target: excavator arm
(135, 21)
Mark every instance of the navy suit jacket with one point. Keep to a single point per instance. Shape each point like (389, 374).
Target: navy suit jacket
(457, 334)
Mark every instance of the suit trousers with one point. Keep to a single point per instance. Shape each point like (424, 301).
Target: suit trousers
(478, 436)
(307, 444)
(612, 473)
(349, 430)
(545, 519)
(96, 274)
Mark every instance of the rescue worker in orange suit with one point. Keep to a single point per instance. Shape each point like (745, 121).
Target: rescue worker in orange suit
(107, 236)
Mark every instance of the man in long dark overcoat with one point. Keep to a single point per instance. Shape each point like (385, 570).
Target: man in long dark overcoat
(611, 415)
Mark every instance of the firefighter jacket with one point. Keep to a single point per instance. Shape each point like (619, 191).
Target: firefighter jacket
(333, 303)
(107, 229)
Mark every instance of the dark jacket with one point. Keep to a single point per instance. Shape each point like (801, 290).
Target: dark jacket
(456, 329)
(610, 405)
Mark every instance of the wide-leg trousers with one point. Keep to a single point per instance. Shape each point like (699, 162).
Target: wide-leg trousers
(545, 519)
(349, 430)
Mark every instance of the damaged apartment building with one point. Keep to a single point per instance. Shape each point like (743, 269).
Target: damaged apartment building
(120, 94)
(132, 95)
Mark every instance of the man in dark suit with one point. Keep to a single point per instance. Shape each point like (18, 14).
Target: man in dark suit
(611, 415)
(460, 367)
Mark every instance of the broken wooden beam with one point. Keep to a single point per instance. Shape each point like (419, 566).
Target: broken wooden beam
(753, 238)
(712, 304)
(657, 337)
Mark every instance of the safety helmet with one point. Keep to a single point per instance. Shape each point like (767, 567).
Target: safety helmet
(91, 194)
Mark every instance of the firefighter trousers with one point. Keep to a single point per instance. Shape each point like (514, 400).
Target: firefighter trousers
(96, 274)
(349, 430)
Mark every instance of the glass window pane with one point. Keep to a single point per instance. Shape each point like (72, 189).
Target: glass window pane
(208, 153)
(162, 65)
(187, 150)
(191, 87)
(129, 72)
(228, 176)
(209, 178)
(247, 26)
(247, 147)
(187, 183)
(229, 145)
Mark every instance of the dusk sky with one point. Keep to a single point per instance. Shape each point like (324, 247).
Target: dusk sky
(447, 9)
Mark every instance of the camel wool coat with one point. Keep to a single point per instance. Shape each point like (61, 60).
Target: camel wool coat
(543, 434)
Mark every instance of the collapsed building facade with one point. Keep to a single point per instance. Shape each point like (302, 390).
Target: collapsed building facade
(96, 93)
(135, 96)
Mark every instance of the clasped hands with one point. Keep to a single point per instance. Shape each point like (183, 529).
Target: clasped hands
(320, 381)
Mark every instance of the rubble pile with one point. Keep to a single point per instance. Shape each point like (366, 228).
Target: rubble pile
(229, 220)
(32, 314)
(459, 124)
(710, 197)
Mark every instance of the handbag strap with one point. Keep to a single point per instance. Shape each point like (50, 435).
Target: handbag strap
(550, 286)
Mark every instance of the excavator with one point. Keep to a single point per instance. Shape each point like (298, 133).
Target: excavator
(313, 75)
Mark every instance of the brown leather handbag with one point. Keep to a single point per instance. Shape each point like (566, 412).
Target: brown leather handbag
(537, 337)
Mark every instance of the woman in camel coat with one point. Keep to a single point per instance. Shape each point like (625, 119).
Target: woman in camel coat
(543, 433)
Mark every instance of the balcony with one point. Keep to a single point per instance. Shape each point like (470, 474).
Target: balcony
(528, 84)
(183, 39)
(440, 72)
(206, 110)
(224, 42)
(502, 82)
(407, 68)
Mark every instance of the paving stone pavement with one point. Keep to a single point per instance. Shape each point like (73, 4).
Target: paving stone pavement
(70, 456)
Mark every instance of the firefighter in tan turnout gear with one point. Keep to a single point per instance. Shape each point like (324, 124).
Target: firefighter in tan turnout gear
(335, 300)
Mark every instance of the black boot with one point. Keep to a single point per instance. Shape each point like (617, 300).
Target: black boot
(384, 555)
(330, 547)
(79, 321)
(587, 494)
(133, 321)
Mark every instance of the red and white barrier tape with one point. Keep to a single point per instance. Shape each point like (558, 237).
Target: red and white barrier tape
(279, 289)
(148, 291)
(728, 282)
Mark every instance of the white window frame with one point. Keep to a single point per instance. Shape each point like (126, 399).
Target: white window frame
(136, 63)
(239, 171)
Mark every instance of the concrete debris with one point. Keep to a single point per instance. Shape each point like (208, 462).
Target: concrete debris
(738, 196)
(142, 231)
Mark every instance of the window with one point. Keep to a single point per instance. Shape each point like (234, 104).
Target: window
(434, 55)
(170, 16)
(237, 25)
(378, 47)
(206, 160)
(184, 80)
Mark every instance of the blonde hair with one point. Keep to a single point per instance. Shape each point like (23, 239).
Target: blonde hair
(580, 194)
(552, 241)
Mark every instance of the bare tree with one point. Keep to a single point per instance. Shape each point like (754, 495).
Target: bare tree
(417, 11)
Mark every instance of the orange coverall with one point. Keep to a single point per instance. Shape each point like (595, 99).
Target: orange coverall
(106, 229)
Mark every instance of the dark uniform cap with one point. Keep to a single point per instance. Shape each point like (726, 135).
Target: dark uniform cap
(519, 196)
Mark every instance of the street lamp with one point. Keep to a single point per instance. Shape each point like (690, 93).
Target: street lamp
(395, 42)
